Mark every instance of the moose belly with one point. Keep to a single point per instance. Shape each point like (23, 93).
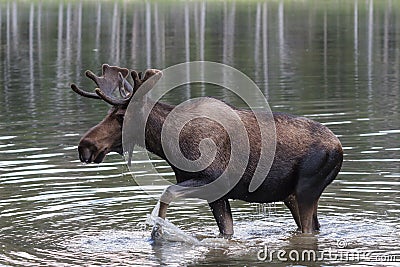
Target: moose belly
(276, 187)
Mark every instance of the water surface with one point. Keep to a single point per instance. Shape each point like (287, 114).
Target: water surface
(335, 62)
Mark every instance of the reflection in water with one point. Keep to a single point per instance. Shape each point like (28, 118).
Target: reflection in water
(146, 29)
(228, 33)
(370, 45)
(265, 48)
(31, 62)
(337, 63)
(355, 53)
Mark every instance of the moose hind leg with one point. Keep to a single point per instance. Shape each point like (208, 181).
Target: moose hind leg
(307, 196)
(316, 173)
(316, 224)
(221, 210)
(306, 213)
(291, 203)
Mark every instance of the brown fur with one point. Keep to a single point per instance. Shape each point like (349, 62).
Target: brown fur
(308, 157)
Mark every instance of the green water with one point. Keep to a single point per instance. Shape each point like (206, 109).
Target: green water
(337, 62)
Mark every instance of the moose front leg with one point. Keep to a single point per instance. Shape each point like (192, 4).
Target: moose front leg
(221, 210)
(157, 233)
(188, 188)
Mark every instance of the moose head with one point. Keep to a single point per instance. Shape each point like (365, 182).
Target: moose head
(106, 136)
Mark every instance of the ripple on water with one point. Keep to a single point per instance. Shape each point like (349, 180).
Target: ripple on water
(132, 248)
(109, 241)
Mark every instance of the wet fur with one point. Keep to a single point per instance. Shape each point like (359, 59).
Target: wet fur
(307, 159)
(303, 147)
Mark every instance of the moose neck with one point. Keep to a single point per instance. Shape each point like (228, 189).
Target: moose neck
(154, 124)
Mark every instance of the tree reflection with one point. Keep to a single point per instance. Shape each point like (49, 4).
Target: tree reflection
(61, 39)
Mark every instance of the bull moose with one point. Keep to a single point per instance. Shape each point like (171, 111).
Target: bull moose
(307, 159)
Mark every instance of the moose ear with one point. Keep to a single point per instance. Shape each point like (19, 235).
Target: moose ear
(151, 72)
(151, 77)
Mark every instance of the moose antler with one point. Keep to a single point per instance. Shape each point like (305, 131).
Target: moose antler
(112, 78)
(107, 83)
(126, 89)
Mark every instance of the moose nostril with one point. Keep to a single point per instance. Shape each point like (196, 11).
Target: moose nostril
(85, 154)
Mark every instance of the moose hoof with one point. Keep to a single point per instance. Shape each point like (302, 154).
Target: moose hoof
(157, 232)
(225, 236)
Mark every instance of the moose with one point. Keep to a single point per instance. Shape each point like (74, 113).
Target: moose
(308, 156)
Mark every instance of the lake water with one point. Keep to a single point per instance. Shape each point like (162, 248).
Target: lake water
(337, 62)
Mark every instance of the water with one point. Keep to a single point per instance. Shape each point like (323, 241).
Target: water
(336, 62)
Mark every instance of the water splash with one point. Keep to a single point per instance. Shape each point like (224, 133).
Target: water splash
(171, 232)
